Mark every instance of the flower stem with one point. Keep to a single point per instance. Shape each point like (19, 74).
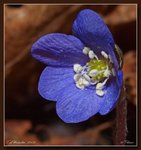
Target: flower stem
(121, 119)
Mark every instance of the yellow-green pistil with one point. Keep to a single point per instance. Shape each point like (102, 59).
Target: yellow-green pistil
(100, 66)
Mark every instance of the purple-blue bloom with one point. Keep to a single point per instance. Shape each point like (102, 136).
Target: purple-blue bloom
(83, 76)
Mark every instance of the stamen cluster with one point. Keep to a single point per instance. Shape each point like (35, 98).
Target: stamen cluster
(95, 72)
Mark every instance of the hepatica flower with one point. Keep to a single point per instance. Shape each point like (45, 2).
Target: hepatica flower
(82, 74)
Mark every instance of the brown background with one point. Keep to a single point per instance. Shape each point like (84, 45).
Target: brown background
(1, 55)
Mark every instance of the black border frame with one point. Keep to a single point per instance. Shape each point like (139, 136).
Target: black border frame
(2, 2)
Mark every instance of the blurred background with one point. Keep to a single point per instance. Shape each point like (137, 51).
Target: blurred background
(29, 119)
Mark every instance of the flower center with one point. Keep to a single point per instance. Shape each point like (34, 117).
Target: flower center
(95, 72)
(97, 69)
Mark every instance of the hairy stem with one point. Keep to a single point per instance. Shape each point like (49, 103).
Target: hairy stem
(121, 119)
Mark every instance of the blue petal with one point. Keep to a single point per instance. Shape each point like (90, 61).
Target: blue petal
(112, 95)
(53, 81)
(77, 105)
(90, 28)
(58, 49)
(73, 104)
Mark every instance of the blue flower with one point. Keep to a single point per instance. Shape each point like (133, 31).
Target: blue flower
(83, 76)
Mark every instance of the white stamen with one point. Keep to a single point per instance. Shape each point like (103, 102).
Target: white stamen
(85, 82)
(93, 82)
(87, 77)
(105, 81)
(76, 77)
(99, 86)
(86, 50)
(104, 54)
(113, 71)
(96, 57)
(110, 58)
(80, 81)
(80, 86)
(77, 68)
(100, 92)
(93, 72)
(107, 73)
(91, 54)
